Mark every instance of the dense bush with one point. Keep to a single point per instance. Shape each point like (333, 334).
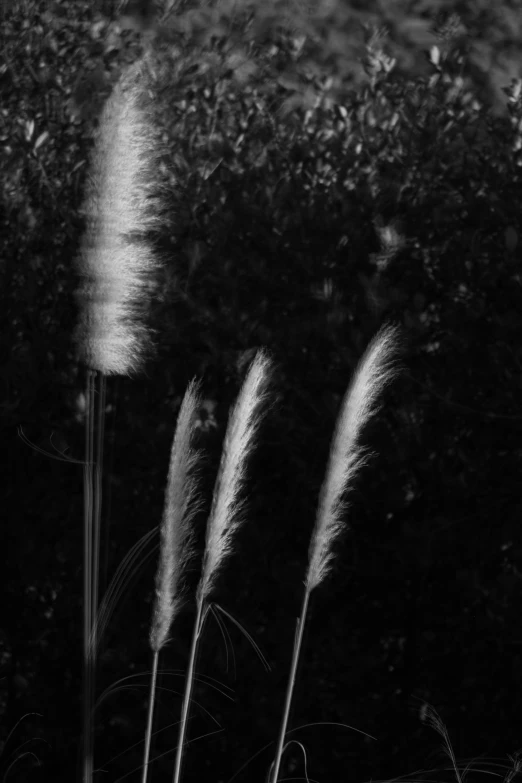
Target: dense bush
(308, 197)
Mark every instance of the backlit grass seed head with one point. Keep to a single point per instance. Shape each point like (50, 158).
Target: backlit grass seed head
(116, 262)
(176, 532)
(227, 511)
(346, 455)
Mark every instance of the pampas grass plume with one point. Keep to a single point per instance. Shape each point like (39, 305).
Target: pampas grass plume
(347, 456)
(116, 264)
(176, 542)
(227, 511)
(176, 533)
(115, 260)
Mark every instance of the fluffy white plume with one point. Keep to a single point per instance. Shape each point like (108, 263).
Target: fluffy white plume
(176, 533)
(227, 509)
(116, 261)
(346, 455)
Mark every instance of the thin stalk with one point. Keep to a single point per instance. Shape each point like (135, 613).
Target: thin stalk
(88, 492)
(276, 764)
(189, 684)
(93, 470)
(107, 496)
(98, 475)
(150, 715)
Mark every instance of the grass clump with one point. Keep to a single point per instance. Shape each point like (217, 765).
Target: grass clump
(112, 343)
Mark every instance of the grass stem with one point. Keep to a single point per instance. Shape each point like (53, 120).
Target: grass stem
(93, 474)
(276, 764)
(88, 491)
(150, 716)
(189, 685)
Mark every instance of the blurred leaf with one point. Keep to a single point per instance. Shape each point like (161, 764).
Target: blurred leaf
(42, 138)
(29, 130)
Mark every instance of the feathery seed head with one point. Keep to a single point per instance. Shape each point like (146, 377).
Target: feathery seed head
(227, 511)
(347, 457)
(116, 262)
(176, 534)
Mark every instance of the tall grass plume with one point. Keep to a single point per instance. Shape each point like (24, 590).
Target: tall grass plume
(116, 260)
(347, 457)
(227, 511)
(228, 505)
(176, 533)
(115, 264)
(176, 540)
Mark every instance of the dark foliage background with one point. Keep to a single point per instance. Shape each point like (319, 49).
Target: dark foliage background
(316, 188)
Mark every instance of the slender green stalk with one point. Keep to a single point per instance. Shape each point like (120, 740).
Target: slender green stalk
(346, 459)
